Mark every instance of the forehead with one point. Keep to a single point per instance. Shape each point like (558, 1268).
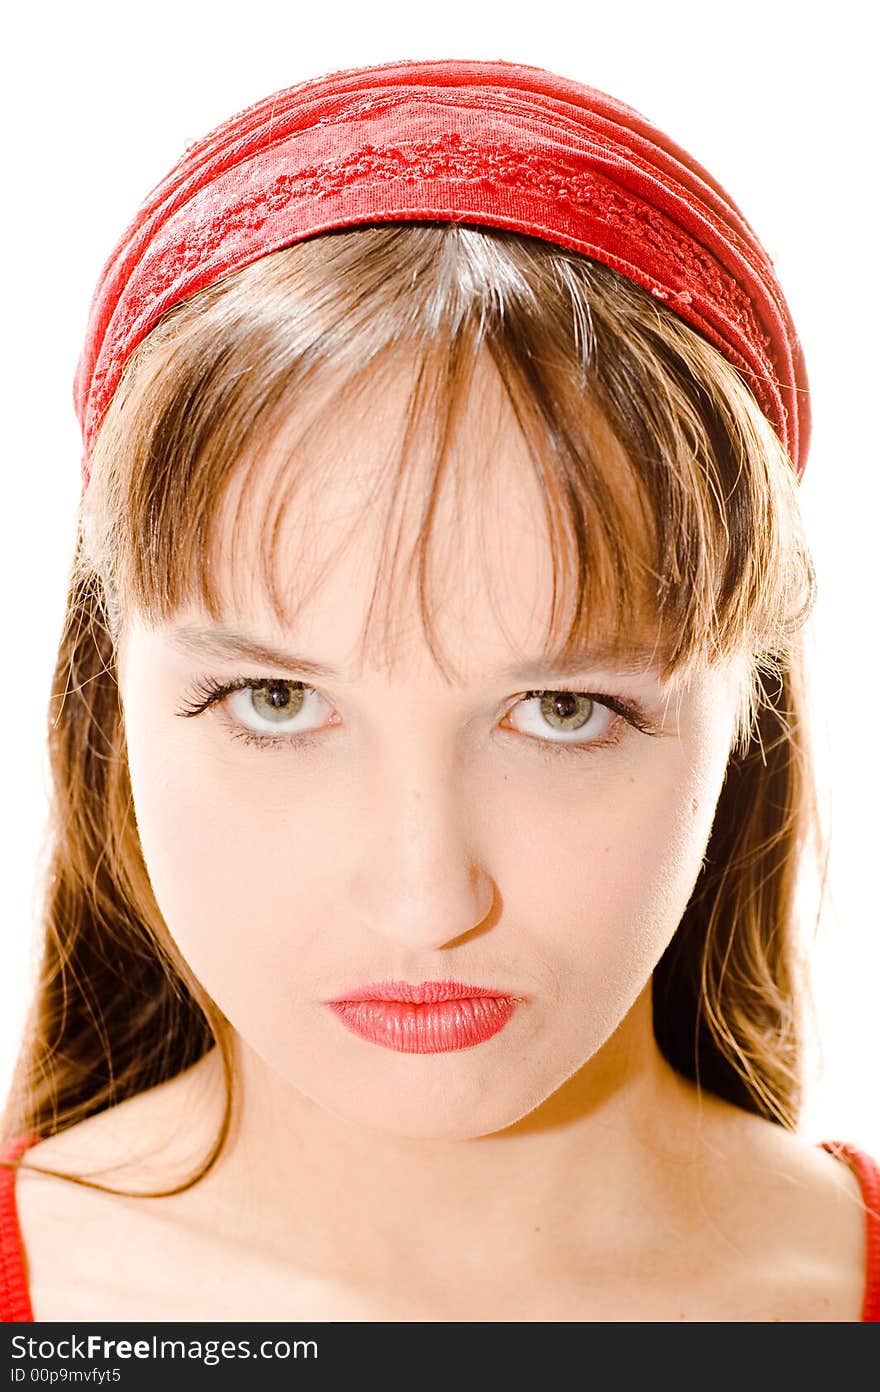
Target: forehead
(345, 488)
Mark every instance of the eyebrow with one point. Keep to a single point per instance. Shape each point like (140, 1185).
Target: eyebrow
(627, 658)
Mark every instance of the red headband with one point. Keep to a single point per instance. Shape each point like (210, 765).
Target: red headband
(489, 143)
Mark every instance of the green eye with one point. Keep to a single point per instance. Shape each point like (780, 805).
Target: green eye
(554, 721)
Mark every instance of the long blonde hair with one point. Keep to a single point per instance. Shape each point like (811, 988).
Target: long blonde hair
(724, 569)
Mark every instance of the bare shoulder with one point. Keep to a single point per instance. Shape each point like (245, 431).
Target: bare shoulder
(131, 1143)
(77, 1236)
(791, 1217)
(768, 1226)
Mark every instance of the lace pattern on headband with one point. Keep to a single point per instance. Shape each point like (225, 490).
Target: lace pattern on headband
(451, 158)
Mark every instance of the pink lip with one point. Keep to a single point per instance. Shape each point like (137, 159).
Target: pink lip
(427, 992)
(433, 1017)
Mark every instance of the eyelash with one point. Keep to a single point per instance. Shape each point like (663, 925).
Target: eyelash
(208, 692)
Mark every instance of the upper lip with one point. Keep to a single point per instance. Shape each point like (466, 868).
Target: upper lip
(425, 993)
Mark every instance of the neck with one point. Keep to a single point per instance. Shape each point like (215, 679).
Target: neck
(607, 1163)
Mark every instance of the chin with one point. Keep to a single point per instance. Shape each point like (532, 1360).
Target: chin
(426, 1112)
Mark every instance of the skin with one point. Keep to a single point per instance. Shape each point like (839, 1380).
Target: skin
(560, 1169)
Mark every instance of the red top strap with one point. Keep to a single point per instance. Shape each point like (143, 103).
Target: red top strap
(15, 1304)
(15, 1301)
(868, 1172)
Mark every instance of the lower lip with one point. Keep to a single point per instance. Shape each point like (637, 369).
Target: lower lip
(436, 1028)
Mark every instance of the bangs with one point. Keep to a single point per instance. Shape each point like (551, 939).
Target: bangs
(670, 506)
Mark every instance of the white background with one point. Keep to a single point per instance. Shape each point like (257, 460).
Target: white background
(777, 100)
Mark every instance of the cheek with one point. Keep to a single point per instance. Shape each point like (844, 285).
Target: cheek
(602, 882)
(233, 854)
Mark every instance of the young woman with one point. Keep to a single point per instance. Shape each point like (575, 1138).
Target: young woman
(431, 781)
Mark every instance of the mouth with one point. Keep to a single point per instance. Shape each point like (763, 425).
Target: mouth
(429, 1018)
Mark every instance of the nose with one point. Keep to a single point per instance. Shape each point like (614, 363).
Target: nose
(420, 880)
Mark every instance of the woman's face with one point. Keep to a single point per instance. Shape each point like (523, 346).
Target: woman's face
(406, 828)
